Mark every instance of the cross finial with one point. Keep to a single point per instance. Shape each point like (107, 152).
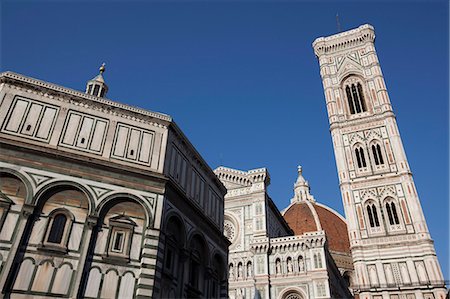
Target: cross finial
(299, 169)
(102, 68)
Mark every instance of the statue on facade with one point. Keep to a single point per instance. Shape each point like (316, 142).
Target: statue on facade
(289, 266)
(249, 270)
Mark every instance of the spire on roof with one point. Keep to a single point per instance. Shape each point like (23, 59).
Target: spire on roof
(301, 188)
(97, 86)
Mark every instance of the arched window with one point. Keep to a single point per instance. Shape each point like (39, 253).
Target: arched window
(377, 156)
(360, 157)
(355, 98)
(373, 215)
(57, 230)
(392, 213)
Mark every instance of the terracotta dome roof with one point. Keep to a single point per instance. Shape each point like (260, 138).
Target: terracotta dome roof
(310, 216)
(304, 214)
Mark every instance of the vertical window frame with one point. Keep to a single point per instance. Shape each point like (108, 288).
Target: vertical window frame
(353, 88)
(119, 225)
(62, 246)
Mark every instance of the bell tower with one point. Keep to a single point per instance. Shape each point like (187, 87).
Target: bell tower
(392, 250)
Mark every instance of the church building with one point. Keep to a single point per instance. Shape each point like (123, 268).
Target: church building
(103, 200)
(296, 254)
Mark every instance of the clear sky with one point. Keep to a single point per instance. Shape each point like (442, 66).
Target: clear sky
(241, 80)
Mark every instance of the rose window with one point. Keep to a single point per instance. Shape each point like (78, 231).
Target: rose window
(229, 230)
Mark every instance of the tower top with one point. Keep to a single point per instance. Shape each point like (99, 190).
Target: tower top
(344, 40)
(97, 86)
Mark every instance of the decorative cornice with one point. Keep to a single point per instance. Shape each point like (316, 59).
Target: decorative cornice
(344, 40)
(75, 97)
(243, 178)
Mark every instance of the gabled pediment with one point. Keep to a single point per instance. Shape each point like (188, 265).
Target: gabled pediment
(349, 65)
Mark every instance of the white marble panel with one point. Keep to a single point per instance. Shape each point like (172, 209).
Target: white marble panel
(31, 119)
(109, 287)
(101, 241)
(17, 115)
(85, 132)
(46, 123)
(147, 140)
(98, 136)
(133, 144)
(71, 129)
(38, 232)
(127, 286)
(9, 226)
(62, 280)
(135, 246)
(75, 236)
(93, 285)
(23, 279)
(43, 277)
(121, 140)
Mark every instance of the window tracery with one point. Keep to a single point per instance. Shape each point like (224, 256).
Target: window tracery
(391, 211)
(355, 96)
(377, 155)
(360, 157)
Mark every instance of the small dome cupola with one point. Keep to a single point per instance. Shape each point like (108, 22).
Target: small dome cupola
(301, 188)
(97, 86)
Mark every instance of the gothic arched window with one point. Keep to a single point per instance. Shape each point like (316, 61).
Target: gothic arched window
(355, 98)
(392, 213)
(377, 155)
(360, 157)
(373, 215)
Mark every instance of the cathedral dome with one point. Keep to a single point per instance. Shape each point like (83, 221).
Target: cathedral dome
(307, 216)
(304, 214)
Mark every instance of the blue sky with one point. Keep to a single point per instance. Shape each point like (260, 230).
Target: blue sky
(241, 80)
